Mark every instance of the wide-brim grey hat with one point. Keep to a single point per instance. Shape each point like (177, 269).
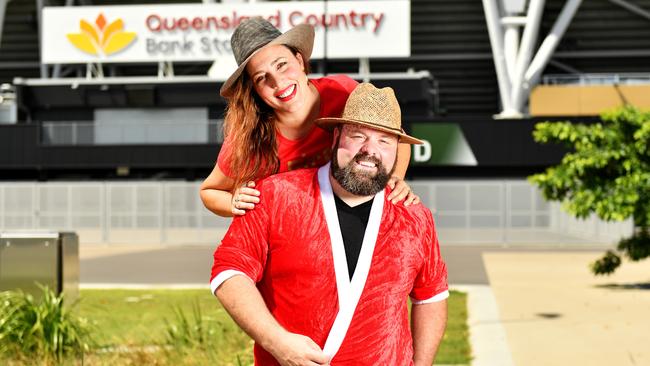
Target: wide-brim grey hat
(253, 34)
(368, 106)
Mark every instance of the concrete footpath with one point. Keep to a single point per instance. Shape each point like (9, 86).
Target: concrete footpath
(555, 312)
(528, 305)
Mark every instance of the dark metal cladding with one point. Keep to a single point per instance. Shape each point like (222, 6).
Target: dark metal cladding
(449, 39)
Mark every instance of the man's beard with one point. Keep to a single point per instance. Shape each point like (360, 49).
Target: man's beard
(360, 183)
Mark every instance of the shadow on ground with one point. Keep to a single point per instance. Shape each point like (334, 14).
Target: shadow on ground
(626, 286)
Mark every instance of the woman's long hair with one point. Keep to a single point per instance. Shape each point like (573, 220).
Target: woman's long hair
(250, 126)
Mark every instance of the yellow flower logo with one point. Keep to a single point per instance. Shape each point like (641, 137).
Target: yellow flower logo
(99, 37)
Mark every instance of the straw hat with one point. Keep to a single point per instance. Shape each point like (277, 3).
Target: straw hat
(253, 34)
(374, 108)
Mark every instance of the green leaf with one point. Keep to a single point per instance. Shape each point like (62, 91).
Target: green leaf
(606, 172)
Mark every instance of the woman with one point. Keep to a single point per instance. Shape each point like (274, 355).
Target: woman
(269, 122)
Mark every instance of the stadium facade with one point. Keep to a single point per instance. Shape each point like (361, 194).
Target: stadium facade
(104, 148)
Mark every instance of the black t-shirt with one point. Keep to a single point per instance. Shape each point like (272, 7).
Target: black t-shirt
(353, 222)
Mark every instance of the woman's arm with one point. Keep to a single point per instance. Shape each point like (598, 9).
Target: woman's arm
(403, 160)
(215, 194)
(401, 190)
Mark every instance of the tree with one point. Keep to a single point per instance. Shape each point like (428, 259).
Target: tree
(607, 173)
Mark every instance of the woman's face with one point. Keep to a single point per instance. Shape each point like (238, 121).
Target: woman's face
(279, 78)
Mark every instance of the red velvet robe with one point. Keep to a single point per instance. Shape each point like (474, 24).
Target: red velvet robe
(284, 246)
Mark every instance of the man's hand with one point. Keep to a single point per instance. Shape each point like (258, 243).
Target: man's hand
(243, 301)
(293, 349)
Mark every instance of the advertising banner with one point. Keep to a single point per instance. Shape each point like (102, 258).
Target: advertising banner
(201, 32)
(444, 144)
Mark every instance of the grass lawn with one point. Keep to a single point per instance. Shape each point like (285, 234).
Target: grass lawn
(139, 319)
(455, 348)
(132, 327)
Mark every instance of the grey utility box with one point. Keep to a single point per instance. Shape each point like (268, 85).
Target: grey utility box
(31, 258)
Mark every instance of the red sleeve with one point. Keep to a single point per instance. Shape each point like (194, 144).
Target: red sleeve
(223, 160)
(347, 83)
(432, 278)
(245, 246)
(334, 92)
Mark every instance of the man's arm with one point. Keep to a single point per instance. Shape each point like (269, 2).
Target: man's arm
(428, 322)
(243, 301)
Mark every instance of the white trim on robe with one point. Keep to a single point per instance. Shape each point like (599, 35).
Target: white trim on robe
(436, 298)
(348, 291)
(223, 276)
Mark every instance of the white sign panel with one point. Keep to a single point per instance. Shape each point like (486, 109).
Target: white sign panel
(197, 32)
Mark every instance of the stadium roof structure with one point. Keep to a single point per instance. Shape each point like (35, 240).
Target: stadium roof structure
(487, 56)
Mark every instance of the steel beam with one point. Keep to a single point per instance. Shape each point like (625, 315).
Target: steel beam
(516, 73)
(94, 71)
(3, 8)
(519, 91)
(510, 49)
(568, 68)
(550, 43)
(39, 17)
(165, 69)
(632, 7)
(496, 41)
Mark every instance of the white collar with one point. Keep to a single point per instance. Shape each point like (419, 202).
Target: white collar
(349, 291)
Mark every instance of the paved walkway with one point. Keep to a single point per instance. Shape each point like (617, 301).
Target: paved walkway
(528, 305)
(555, 312)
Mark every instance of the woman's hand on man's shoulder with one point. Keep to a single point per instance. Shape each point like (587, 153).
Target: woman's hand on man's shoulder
(244, 198)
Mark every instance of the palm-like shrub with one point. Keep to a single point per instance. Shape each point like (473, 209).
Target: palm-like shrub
(186, 332)
(190, 335)
(43, 328)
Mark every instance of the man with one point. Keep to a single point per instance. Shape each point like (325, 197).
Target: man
(320, 271)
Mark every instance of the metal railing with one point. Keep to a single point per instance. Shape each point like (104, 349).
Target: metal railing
(597, 79)
(509, 211)
(127, 133)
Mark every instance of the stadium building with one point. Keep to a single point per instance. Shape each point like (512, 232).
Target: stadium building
(111, 139)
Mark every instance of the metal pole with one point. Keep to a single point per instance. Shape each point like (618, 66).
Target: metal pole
(511, 41)
(364, 69)
(3, 8)
(105, 212)
(534, 18)
(39, 17)
(550, 43)
(631, 7)
(510, 48)
(326, 10)
(496, 41)
(568, 68)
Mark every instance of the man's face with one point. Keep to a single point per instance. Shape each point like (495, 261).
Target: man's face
(363, 159)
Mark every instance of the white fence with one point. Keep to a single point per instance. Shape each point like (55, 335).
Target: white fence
(508, 211)
(171, 212)
(112, 212)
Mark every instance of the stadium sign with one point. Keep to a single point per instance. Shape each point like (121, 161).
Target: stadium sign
(201, 32)
(444, 144)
